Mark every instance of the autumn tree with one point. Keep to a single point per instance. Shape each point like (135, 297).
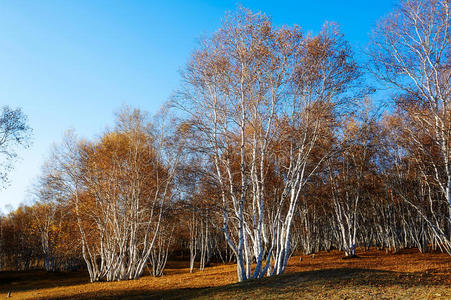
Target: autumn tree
(410, 52)
(250, 86)
(54, 222)
(119, 186)
(354, 174)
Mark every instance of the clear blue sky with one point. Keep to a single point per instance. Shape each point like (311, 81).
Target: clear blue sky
(73, 63)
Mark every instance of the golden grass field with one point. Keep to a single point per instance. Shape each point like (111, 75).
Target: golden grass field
(374, 275)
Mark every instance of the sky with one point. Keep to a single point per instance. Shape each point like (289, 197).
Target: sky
(71, 64)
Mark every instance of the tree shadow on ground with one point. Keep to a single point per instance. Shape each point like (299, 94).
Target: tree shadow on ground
(15, 281)
(291, 285)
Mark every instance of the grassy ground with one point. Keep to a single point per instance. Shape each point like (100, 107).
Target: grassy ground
(375, 275)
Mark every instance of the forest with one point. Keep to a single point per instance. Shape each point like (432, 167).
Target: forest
(275, 144)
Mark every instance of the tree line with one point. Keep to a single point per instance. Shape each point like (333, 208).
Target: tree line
(270, 146)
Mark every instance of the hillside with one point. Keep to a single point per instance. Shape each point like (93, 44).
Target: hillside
(374, 275)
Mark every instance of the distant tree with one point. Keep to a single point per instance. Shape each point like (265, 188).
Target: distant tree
(353, 174)
(14, 132)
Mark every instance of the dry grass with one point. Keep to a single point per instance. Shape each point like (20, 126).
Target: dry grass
(375, 275)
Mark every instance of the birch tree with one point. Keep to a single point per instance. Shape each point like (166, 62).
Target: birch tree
(416, 171)
(354, 175)
(253, 92)
(410, 52)
(14, 132)
(119, 186)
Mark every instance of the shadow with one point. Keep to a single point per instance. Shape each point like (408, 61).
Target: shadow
(16, 281)
(297, 283)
